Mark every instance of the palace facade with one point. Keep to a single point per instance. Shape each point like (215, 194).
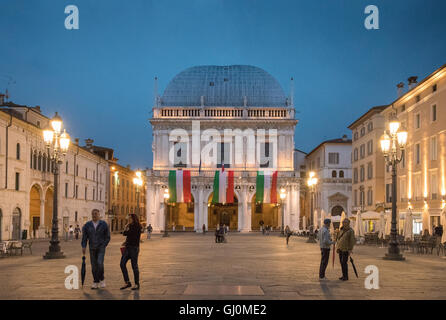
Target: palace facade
(244, 114)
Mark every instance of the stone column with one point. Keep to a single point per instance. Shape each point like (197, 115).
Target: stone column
(197, 209)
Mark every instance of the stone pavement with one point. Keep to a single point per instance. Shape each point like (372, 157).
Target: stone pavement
(248, 266)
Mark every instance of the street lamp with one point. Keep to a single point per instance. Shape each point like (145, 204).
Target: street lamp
(312, 181)
(393, 141)
(166, 199)
(59, 143)
(137, 181)
(282, 197)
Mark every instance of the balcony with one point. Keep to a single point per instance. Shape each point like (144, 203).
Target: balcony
(223, 113)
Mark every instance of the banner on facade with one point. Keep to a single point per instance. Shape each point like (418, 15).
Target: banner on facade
(179, 186)
(223, 187)
(266, 187)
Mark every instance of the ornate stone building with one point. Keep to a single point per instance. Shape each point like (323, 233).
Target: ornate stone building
(26, 179)
(244, 114)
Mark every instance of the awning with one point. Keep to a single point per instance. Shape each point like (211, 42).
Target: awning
(370, 215)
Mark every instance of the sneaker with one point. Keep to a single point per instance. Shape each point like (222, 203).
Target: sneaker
(102, 284)
(127, 285)
(324, 278)
(94, 285)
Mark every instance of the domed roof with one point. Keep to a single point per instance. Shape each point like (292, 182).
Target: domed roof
(224, 86)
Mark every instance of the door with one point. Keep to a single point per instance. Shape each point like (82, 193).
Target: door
(16, 217)
(36, 224)
(225, 218)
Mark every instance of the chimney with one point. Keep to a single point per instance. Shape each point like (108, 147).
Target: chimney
(89, 143)
(400, 89)
(202, 101)
(412, 82)
(2, 98)
(344, 137)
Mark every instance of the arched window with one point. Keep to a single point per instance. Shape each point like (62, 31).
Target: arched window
(333, 174)
(44, 167)
(35, 160)
(341, 174)
(18, 151)
(39, 162)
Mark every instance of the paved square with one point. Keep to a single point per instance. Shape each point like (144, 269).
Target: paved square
(249, 266)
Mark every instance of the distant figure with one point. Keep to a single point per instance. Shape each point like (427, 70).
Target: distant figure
(287, 234)
(71, 232)
(77, 230)
(65, 230)
(173, 226)
(149, 231)
(204, 228)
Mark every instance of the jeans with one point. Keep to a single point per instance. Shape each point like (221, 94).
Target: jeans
(148, 235)
(325, 255)
(130, 253)
(343, 258)
(97, 263)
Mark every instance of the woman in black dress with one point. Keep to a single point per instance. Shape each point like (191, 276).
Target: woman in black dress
(133, 232)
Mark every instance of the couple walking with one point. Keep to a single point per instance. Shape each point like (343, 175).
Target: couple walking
(97, 233)
(345, 242)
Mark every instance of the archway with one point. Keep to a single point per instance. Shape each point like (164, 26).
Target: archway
(336, 211)
(48, 209)
(264, 213)
(181, 215)
(34, 211)
(220, 213)
(16, 224)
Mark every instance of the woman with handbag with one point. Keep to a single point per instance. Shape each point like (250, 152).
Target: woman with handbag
(131, 251)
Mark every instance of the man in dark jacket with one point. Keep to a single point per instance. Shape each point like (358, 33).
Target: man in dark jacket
(345, 242)
(97, 233)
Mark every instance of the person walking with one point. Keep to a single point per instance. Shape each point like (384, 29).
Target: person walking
(65, 231)
(97, 233)
(204, 228)
(71, 232)
(133, 233)
(287, 234)
(77, 230)
(345, 242)
(325, 244)
(149, 231)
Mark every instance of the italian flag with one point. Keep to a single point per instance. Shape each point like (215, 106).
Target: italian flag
(179, 186)
(266, 187)
(223, 187)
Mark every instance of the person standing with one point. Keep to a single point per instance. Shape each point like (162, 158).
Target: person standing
(77, 230)
(65, 230)
(133, 233)
(97, 233)
(345, 242)
(287, 234)
(204, 228)
(325, 244)
(149, 231)
(71, 231)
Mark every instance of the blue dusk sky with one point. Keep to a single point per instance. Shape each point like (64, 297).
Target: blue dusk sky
(100, 77)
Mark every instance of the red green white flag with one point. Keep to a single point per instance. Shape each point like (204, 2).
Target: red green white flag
(266, 187)
(223, 187)
(179, 186)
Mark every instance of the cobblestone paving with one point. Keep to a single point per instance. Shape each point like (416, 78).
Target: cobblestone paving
(169, 265)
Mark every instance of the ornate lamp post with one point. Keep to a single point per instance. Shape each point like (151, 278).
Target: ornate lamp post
(166, 199)
(393, 141)
(282, 197)
(58, 143)
(137, 181)
(311, 182)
